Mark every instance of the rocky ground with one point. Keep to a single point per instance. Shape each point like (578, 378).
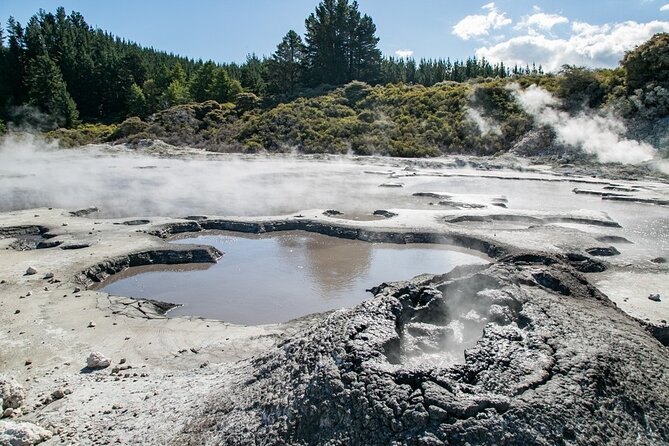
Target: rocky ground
(526, 350)
(550, 360)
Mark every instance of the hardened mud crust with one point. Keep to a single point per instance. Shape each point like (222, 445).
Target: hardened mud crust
(548, 359)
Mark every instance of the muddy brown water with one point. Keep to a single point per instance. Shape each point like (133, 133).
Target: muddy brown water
(276, 278)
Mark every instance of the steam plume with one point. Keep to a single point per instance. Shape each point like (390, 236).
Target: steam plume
(594, 134)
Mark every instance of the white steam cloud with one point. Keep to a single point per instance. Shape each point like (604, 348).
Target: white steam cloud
(594, 134)
(485, 125)
(122, 182)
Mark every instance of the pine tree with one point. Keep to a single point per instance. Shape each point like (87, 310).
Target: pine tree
(224, 88)
(285, 68)
(253, 75)
(202, 83)
(176, 93)
(48, 91)
(136, 102)
(341, 44)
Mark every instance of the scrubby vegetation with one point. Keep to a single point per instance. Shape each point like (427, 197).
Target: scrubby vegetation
(480, 116)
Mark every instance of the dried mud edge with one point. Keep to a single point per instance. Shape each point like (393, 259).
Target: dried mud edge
(160, 256)
(492, 250)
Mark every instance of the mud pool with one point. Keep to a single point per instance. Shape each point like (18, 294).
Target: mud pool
(271, 279)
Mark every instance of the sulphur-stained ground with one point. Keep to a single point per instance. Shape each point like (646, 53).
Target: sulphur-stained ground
(567, 287)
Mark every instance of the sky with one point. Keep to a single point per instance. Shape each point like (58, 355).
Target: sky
(592, 33)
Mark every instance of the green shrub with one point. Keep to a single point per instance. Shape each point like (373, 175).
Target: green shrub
(82, 134)
(129, 127)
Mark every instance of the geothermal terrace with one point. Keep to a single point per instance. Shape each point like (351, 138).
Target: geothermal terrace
(545, 323)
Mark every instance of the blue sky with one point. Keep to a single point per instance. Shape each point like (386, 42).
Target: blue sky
(581, 32)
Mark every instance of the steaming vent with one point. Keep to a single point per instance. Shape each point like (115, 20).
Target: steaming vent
(438, 326)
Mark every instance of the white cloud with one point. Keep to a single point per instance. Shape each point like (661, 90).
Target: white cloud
(665, 7)
(404, 53)
(586, 29)
(542, 21)
(588, 45)
(480, 25)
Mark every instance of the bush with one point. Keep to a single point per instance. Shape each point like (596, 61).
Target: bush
(648, 63)
(129, 127)
(82, 134)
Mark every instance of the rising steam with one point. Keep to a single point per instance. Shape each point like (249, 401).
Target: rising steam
(595, 134)
(124, 182)
(485, 125)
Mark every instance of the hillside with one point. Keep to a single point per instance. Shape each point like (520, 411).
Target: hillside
(83, 85)
(481, 116)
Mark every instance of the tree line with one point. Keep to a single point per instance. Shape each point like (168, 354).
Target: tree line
(70, 72)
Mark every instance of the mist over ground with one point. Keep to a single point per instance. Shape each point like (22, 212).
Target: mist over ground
(123, 182)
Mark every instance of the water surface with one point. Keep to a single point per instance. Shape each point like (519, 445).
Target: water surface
(275, 278)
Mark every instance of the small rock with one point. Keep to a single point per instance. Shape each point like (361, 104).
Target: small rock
(8, 413)
(603, 251)
(58, 394)
(654, 297)
(17, 311)
(204, 364)
(97, 360)
(48, 276)
(384, 213)
(28, 362)
(29, 293)
(91, 324)
(77, 290)
(30, 271)
(122, 361)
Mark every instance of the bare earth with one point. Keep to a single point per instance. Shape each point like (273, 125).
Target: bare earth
(49, 326)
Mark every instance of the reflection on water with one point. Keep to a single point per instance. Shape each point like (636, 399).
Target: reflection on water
(277, 278)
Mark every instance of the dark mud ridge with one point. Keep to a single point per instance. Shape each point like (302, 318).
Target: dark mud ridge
(24, 230)
(490, 248)
(548, 359)
(172, 256)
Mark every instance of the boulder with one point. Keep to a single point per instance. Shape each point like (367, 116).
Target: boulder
(14, 433)
(97, 360)
(11, 393)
